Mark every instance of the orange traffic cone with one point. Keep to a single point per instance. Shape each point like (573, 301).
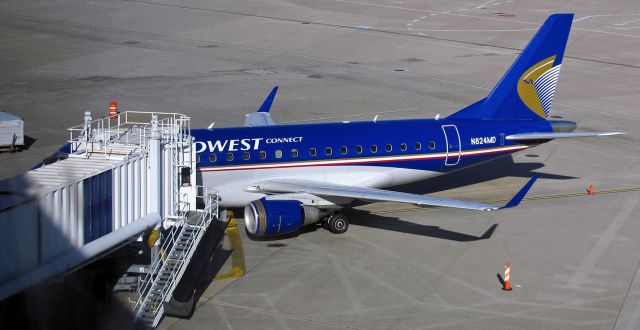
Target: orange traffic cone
(590, 190)
(507, 278)
(113, 109)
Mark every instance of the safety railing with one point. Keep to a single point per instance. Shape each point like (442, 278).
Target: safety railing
(129, 128)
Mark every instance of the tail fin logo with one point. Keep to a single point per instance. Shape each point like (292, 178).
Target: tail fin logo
(538, 84)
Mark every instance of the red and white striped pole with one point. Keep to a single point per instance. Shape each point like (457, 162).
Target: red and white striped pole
(507, 278)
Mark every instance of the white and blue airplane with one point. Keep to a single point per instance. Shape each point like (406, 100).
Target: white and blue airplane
(289, 176)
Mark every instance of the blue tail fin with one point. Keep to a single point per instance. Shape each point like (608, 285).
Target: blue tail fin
(526, 90)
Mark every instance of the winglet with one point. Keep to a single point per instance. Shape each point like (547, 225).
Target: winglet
(266, 105)
(520, 195)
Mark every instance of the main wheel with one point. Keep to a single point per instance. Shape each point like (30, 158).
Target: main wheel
(338, 223)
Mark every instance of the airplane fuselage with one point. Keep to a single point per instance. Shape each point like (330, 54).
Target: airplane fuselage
(367, 154)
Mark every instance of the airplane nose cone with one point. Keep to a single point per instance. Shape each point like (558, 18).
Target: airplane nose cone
(562, 125)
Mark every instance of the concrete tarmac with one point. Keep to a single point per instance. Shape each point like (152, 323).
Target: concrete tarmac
(574, 257)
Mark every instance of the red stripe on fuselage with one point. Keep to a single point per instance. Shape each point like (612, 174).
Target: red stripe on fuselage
(338, 162)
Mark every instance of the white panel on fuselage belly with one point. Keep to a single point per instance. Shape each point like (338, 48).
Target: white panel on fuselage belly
(231, 184)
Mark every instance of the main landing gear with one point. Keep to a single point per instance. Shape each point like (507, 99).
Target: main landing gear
(336, 223)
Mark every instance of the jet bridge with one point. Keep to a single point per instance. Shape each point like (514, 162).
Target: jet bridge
(123, 176)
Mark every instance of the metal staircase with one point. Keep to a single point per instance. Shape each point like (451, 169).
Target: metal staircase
(177, 250)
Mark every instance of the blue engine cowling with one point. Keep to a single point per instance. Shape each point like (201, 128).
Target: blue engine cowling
(272, 217)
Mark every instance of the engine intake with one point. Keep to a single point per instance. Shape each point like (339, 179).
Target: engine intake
(272, 217)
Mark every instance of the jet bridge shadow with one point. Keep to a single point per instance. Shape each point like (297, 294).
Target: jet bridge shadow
(395, 224)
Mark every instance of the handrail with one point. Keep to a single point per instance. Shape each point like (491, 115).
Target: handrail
(95, 135)
(165, 262)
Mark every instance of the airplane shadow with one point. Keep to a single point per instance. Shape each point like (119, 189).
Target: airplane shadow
(491, 170)
(394, 224)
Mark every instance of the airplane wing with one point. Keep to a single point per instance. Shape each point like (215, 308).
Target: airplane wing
(262, 117)
(554, 135)
(371, 194)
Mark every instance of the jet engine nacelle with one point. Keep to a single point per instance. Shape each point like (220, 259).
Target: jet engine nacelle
(272, 217)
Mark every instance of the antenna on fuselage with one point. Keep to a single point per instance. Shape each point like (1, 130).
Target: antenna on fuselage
(211, 126)
(437, 116)
(375, 119)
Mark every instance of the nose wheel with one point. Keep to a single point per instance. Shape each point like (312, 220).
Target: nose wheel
(337, 223)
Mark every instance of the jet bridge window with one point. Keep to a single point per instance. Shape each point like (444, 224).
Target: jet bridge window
(263, 154)
(403, 146)
(278, 153)
(212, 158)
(432, 144)
(229, 156)
(313, 152)
(343, 150)
(418, 146)
(246, 155)
(388, 148)
(328, 151)
(359, 149)
(294, 153)
(374, 148)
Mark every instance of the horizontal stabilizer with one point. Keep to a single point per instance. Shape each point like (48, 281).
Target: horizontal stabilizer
(556, 135)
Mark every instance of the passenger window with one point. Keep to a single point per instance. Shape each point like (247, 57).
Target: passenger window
(294, 153)
(229, 156)
(246, 155)
(263, 154)
(418, 145)
(388, 148)
(432, 145)
(359, 149)
(212, 158)
(313, 152)
(197, 158)
(403, 146)
(328, 151)
(374, 148)
(343, 150)
(278, 153)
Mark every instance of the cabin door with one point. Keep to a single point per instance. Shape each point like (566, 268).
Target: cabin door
(452, 143)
